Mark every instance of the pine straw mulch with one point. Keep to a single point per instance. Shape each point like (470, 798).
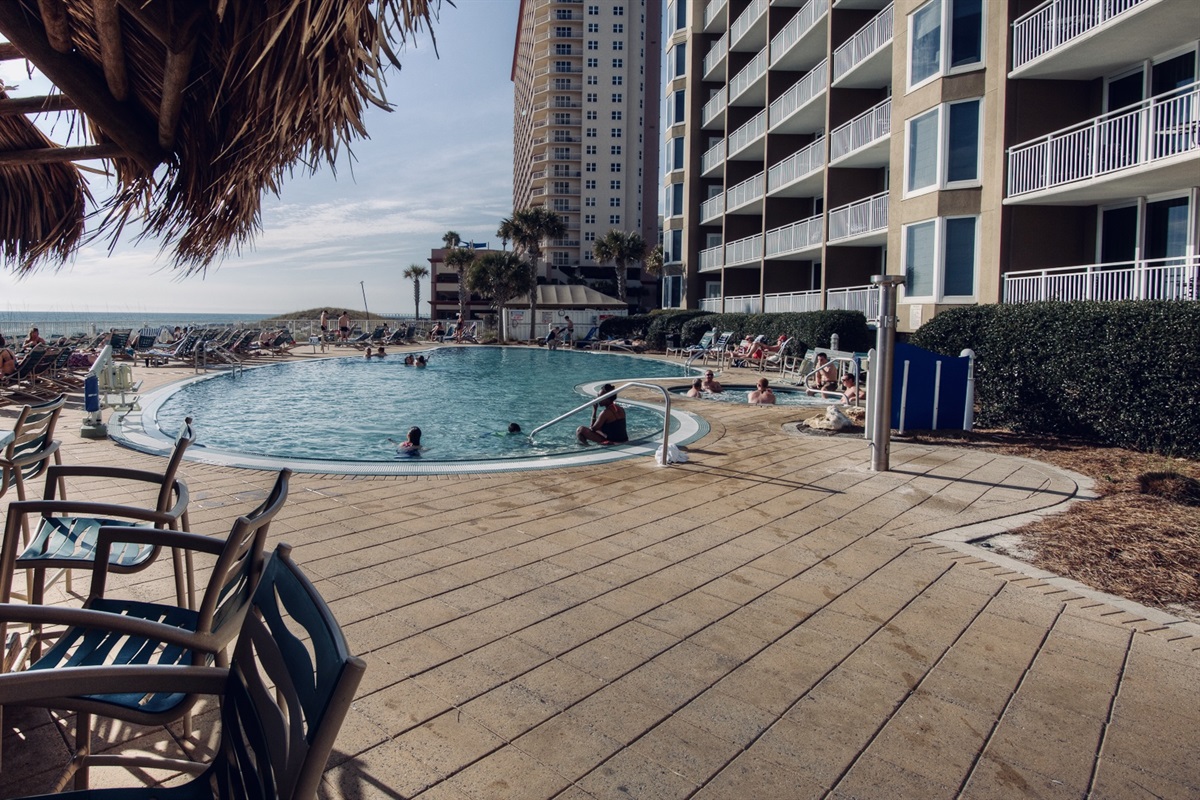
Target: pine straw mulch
(1140, 540)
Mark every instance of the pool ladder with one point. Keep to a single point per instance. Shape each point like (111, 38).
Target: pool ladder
(589, 404)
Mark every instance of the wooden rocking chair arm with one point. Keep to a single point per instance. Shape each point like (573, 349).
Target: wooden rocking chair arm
(39, 687)
(108, 621)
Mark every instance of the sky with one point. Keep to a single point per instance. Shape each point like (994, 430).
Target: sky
(441, 160)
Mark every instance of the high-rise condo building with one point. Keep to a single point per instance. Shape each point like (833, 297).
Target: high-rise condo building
(585, 125)
(986, 151)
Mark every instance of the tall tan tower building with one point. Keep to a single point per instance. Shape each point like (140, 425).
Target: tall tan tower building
(987, 151)
(585, 124)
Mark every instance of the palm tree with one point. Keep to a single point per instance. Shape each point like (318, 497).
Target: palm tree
(654, 261)
(532, 226)
(620, 248)
(415, 272)
(451, 240)
(507, 231)
(460, 258)
(501, 277)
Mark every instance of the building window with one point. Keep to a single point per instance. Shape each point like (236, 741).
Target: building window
(562, 13)
(590, 115)
(616, 115)
(587, 255)
(592, 97)
(618, 45)
(589, 236)
(590, 202)
(675, 201)
(561, 187)
(593, 80)
(589, 219)
(680, 60)
(616, 133)
(618, 27)
(591, 149)
(618, 11)
(562, 49)
(590, 167)
(562, 118)
(591, 133)
(617, 80)
(593, 27)
(614, 186)
(940, 258)
(562, 66)
(617, 97)
(589, 184)
(593, 63)
(593, 11)
(615, 149)
(593, 44)
(618, 63)
(614, 219)
(677, 153)
(944, 36)
(614, 166)
(680, 107)
(942, 148)
(614, 202)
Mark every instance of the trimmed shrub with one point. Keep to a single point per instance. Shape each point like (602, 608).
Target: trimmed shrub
(1122, 373)
(632, 327)
(808, 329)
(668, 323)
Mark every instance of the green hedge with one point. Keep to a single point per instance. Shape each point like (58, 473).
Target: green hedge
(654, 327)
(808, 329)
(1124, 374)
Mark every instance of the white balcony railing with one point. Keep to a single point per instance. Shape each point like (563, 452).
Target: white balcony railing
(865, 216)
(745, 192)
(713, 157)
(714, 106)
(748, 75)
(1056, 22)
(716, 53)
(712, 208)
(804, 161)
(1150, 279)
(868, 127)
(712, 258)
(743, 304)
(713, 8)
(711, 304)
(854, 298)
(1157, 128)
(749, 133)
(795, 236)
(744, 251)
(800, 93)
(872, 36)
(796, 27)
(746, 20)
(792, 301)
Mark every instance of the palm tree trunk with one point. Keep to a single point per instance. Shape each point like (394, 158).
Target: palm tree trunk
(622, 281)
(417, 296)
(462, 293)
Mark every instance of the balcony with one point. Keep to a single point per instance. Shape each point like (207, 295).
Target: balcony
(712, 209)
(554, 33)
(557, 104)
(715, 15)
(1085, 39)
(801, 43)
(864, 61)
(1143, 149)
(1151, 279)
(716, 58)
(561, 192)
(712, 163)
(749, 30)
(565, 121)
(749, 86)
(710, 304)
(799, 175)
(748, 143)
(712, 259)
(862, 223)
(797, 240)
(799, 109)
(743, 304)
(854, 298)
(558, 70)
(864, 140)
(747, 196)
(713, 113)
(744, 251)
(792, 301)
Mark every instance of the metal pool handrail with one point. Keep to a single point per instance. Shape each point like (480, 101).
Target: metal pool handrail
(614, 393)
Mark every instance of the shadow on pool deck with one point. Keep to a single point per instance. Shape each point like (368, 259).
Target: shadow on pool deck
(769, 620)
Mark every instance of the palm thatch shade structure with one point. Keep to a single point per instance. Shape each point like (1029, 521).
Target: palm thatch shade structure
(200, 106)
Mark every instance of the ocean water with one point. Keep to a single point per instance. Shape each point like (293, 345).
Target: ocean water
(66, 323)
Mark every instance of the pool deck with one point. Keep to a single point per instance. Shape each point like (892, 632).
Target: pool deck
(769, 620)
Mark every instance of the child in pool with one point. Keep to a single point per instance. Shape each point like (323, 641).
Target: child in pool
(411, 446)
(421, 361)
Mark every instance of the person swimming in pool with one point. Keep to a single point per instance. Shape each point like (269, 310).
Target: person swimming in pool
(411, 446)
(608, 427)
(420, 362)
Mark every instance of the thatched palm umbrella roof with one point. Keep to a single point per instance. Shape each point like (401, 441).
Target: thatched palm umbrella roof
(200, 106)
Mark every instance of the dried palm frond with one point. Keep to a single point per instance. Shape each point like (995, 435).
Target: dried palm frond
(42, 213)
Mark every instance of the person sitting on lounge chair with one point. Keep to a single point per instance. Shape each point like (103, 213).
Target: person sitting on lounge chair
(609, 426)
(8, 361)
(436, 332)
(33, 340)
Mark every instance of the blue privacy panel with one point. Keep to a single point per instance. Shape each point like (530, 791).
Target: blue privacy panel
(918, 405)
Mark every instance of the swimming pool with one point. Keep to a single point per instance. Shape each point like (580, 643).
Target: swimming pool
(784, 396)
(340, 414)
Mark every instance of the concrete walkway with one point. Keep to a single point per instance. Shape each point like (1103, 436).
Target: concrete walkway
(770, 620)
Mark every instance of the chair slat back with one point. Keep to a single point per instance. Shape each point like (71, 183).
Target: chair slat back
(291, 682)
(33, 432)
(166, 490)
(239, 566)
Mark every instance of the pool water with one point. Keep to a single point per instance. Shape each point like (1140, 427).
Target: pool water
(349, 408)
(784, 396)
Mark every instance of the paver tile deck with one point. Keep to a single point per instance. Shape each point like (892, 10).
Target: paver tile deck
(768, 620)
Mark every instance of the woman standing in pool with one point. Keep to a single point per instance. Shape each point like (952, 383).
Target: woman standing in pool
(609, 426)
